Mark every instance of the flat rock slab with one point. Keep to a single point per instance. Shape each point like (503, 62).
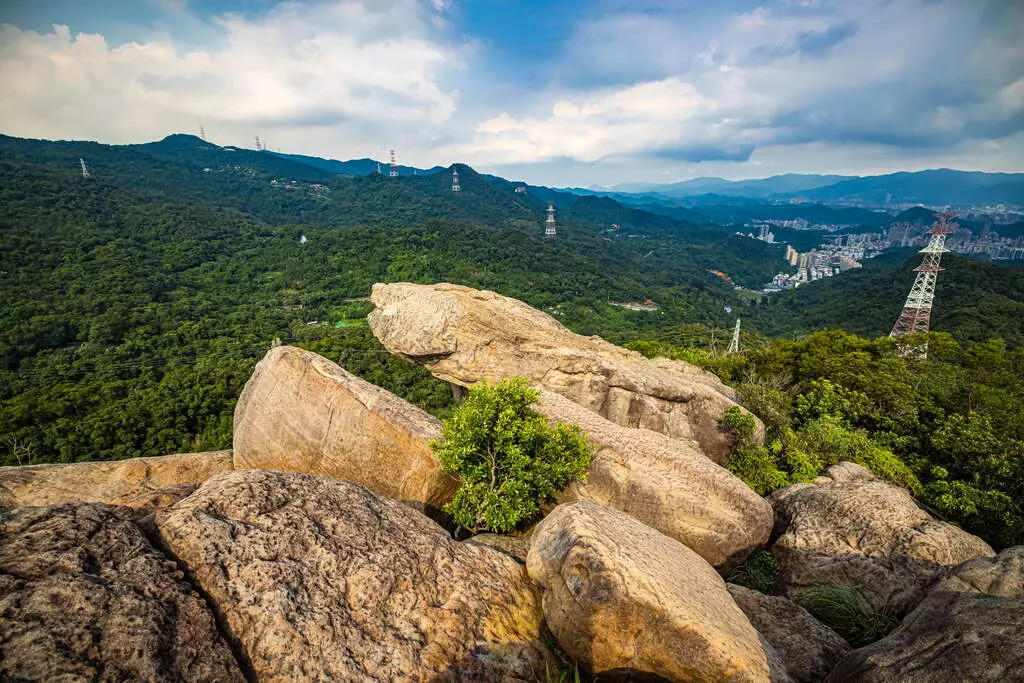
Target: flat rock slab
(667, 484)
(141, 483)
(320, 579)
(84, 596)
(464, 335)
(624, 600)
(299, 412)
(867, 534)
(970, 627)
(807, 649)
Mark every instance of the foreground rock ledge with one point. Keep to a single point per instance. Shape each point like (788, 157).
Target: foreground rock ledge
(299, 412)
(667, 484)
(970, 627)
(141, 483)
(320, 579)
(84, 596)
(868, 533)
(625, 600)
(463, 335)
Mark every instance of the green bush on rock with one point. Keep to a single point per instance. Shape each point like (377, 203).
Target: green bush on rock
(506, 455)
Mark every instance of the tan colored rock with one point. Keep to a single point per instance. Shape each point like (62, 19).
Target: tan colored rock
(143, 483)
(667, 484)
(970, 627)
(85, 597)
(463, 335)
(320, 579)
(515, 547)
(807, 649)
(622, 598)
(299, 412)
(868, 534)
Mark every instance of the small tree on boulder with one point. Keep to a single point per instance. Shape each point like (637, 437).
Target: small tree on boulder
(507, 456)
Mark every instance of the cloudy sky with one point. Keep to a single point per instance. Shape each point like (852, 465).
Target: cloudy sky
(560, 92)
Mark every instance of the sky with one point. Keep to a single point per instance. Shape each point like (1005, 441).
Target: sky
(557, 92)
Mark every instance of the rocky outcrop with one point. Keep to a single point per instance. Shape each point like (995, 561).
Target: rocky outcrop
(807, 649)
(141, 483)
(299, 412)
(667, 484)
(84, 596)
(970, 627)
(463, 335)
(624, 599)
(868, 534)
(320, 579)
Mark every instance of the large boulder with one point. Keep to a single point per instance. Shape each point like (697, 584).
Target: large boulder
(320, 579)
(85, 597)
(869, 534)
(970, 627)
(141, 483)
(667, 484)
(463, 335)
(299, 412)
(625, 600)
(807, 649)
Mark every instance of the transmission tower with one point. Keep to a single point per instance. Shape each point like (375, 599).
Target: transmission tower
(258, 146)
(202, 134)
(734, 345)
(917, 311)
(455, 181)
(549, 224)
(394, 166)
(85, 169)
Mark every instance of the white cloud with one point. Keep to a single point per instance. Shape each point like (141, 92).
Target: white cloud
(296, 74)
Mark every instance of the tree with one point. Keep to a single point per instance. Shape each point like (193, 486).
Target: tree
(506, 455)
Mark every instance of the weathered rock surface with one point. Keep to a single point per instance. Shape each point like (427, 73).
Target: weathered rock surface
(621, 597)
(320, 579)
(84, 596)
(667, 484)
(807, 649)
(845, 471)
(141, 483)
(515, 547)
(463, 335)
(868, 534)
(299, 412)
(970, 627)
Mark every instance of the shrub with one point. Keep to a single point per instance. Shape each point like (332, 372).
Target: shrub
(756, 573)
(506, 456)
(847, 613)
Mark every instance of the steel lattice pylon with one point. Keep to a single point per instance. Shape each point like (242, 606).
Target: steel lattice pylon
(917, 311)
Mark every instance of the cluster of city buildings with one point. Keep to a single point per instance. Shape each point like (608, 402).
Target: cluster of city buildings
(962, 241)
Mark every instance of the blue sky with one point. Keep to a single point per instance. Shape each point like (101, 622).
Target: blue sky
(563, 92)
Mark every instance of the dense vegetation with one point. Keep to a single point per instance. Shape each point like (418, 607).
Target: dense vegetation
(507, 458)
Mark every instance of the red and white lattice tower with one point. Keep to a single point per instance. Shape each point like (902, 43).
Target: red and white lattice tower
(549, 224)
(394, 166)
(917, 311)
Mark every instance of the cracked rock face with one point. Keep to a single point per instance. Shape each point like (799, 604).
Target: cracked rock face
(320, 579)
(667, 484)
(84, 596)
(868, 534)
(970, 627)
(806, 649)
(299, 412)
(140, 483)
(463, 335)
(626, 600)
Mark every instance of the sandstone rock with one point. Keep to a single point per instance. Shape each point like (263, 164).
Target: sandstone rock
(845, 471)
(463, 335)
(667, 484)
(299, 412)
(84, 596)
(622, 598)
(143, 483)
(320, 579)
(970, 627)
(515, 547)
(868, 534)
(807, 649)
